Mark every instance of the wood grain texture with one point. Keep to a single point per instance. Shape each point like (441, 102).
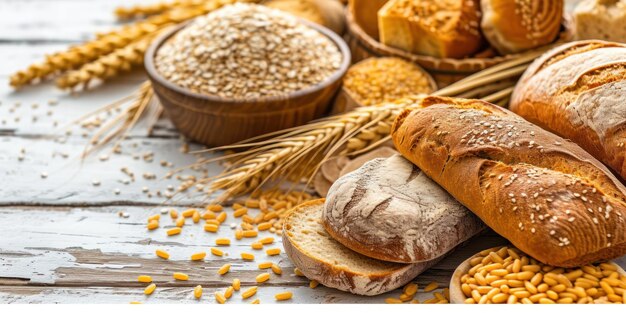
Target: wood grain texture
(61, 240)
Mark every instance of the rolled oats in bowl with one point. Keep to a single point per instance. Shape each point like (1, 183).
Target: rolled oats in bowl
(247, 51)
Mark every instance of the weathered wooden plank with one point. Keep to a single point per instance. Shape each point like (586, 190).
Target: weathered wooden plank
(95, 247)
(71, 181)
(180, 295)
(59, 20)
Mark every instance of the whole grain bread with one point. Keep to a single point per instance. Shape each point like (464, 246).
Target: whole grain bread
(578, 91)
(388, 209)
(321, 258)
(545, 194)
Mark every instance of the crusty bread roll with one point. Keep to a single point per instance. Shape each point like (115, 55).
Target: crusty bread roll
(578, 91)
(545, 194)
(438, 28)
(513, 26)
(321, 258)
(601, 19)
(390, 210)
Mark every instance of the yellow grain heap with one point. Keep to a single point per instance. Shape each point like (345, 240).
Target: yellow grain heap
(378, 80)
(506, 275)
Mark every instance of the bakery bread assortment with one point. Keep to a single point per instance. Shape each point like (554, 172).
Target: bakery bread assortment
(513, 26)
(390, 210)
(578, 91)
(321, 258)
(546, 195)
(600, 19)
(438, 28)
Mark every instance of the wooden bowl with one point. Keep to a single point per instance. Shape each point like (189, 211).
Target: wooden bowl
(456, 294)
(444, 70)
(216, 121)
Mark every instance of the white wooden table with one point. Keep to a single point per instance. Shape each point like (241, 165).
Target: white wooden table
(61, 239)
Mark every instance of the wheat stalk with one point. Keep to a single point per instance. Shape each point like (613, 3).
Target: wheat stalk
(106, 43)
(105, 67)
(130, 110)
(141, 11)
(296, 154)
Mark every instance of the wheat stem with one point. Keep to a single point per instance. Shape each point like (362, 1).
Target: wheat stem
(104, 44)
(275, 157)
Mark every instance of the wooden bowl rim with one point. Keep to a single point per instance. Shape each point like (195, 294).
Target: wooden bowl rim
(154, 74)
(457, 295)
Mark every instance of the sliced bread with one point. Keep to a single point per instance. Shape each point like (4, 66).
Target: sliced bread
(319, 257)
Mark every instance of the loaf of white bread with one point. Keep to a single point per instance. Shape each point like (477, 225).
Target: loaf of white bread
(545, 194)
(388, 209)
(319, 257)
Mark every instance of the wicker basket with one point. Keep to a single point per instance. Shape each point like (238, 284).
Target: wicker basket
(444, 70)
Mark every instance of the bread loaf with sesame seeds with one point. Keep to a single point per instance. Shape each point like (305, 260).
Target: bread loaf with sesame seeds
(545, 194)
(578, 91)
(438, 28)
(512, 26)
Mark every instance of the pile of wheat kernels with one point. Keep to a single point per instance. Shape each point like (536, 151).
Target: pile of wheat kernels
(247, 51)
(375, 81)
(506, 275)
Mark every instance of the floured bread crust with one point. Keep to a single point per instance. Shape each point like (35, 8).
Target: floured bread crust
(578, 91)
(390, 210)
(325, 260)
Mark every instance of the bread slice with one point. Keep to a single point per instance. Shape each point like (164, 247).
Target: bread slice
(325, 260)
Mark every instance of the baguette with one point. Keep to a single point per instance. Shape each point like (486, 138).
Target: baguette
(578, 91)
(319, 257)
(388, 209)
(546, 195)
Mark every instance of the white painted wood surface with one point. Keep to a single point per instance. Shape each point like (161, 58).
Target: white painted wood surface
(61, 239)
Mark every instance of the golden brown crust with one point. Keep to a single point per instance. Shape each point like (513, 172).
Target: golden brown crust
(578, 91)
(512, 26)
(546, 195)
(441, 28)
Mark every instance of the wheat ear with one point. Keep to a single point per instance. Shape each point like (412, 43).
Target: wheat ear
(130, 110)
(296, 154)
(142, 11)
(106, 43)
(105, 67)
